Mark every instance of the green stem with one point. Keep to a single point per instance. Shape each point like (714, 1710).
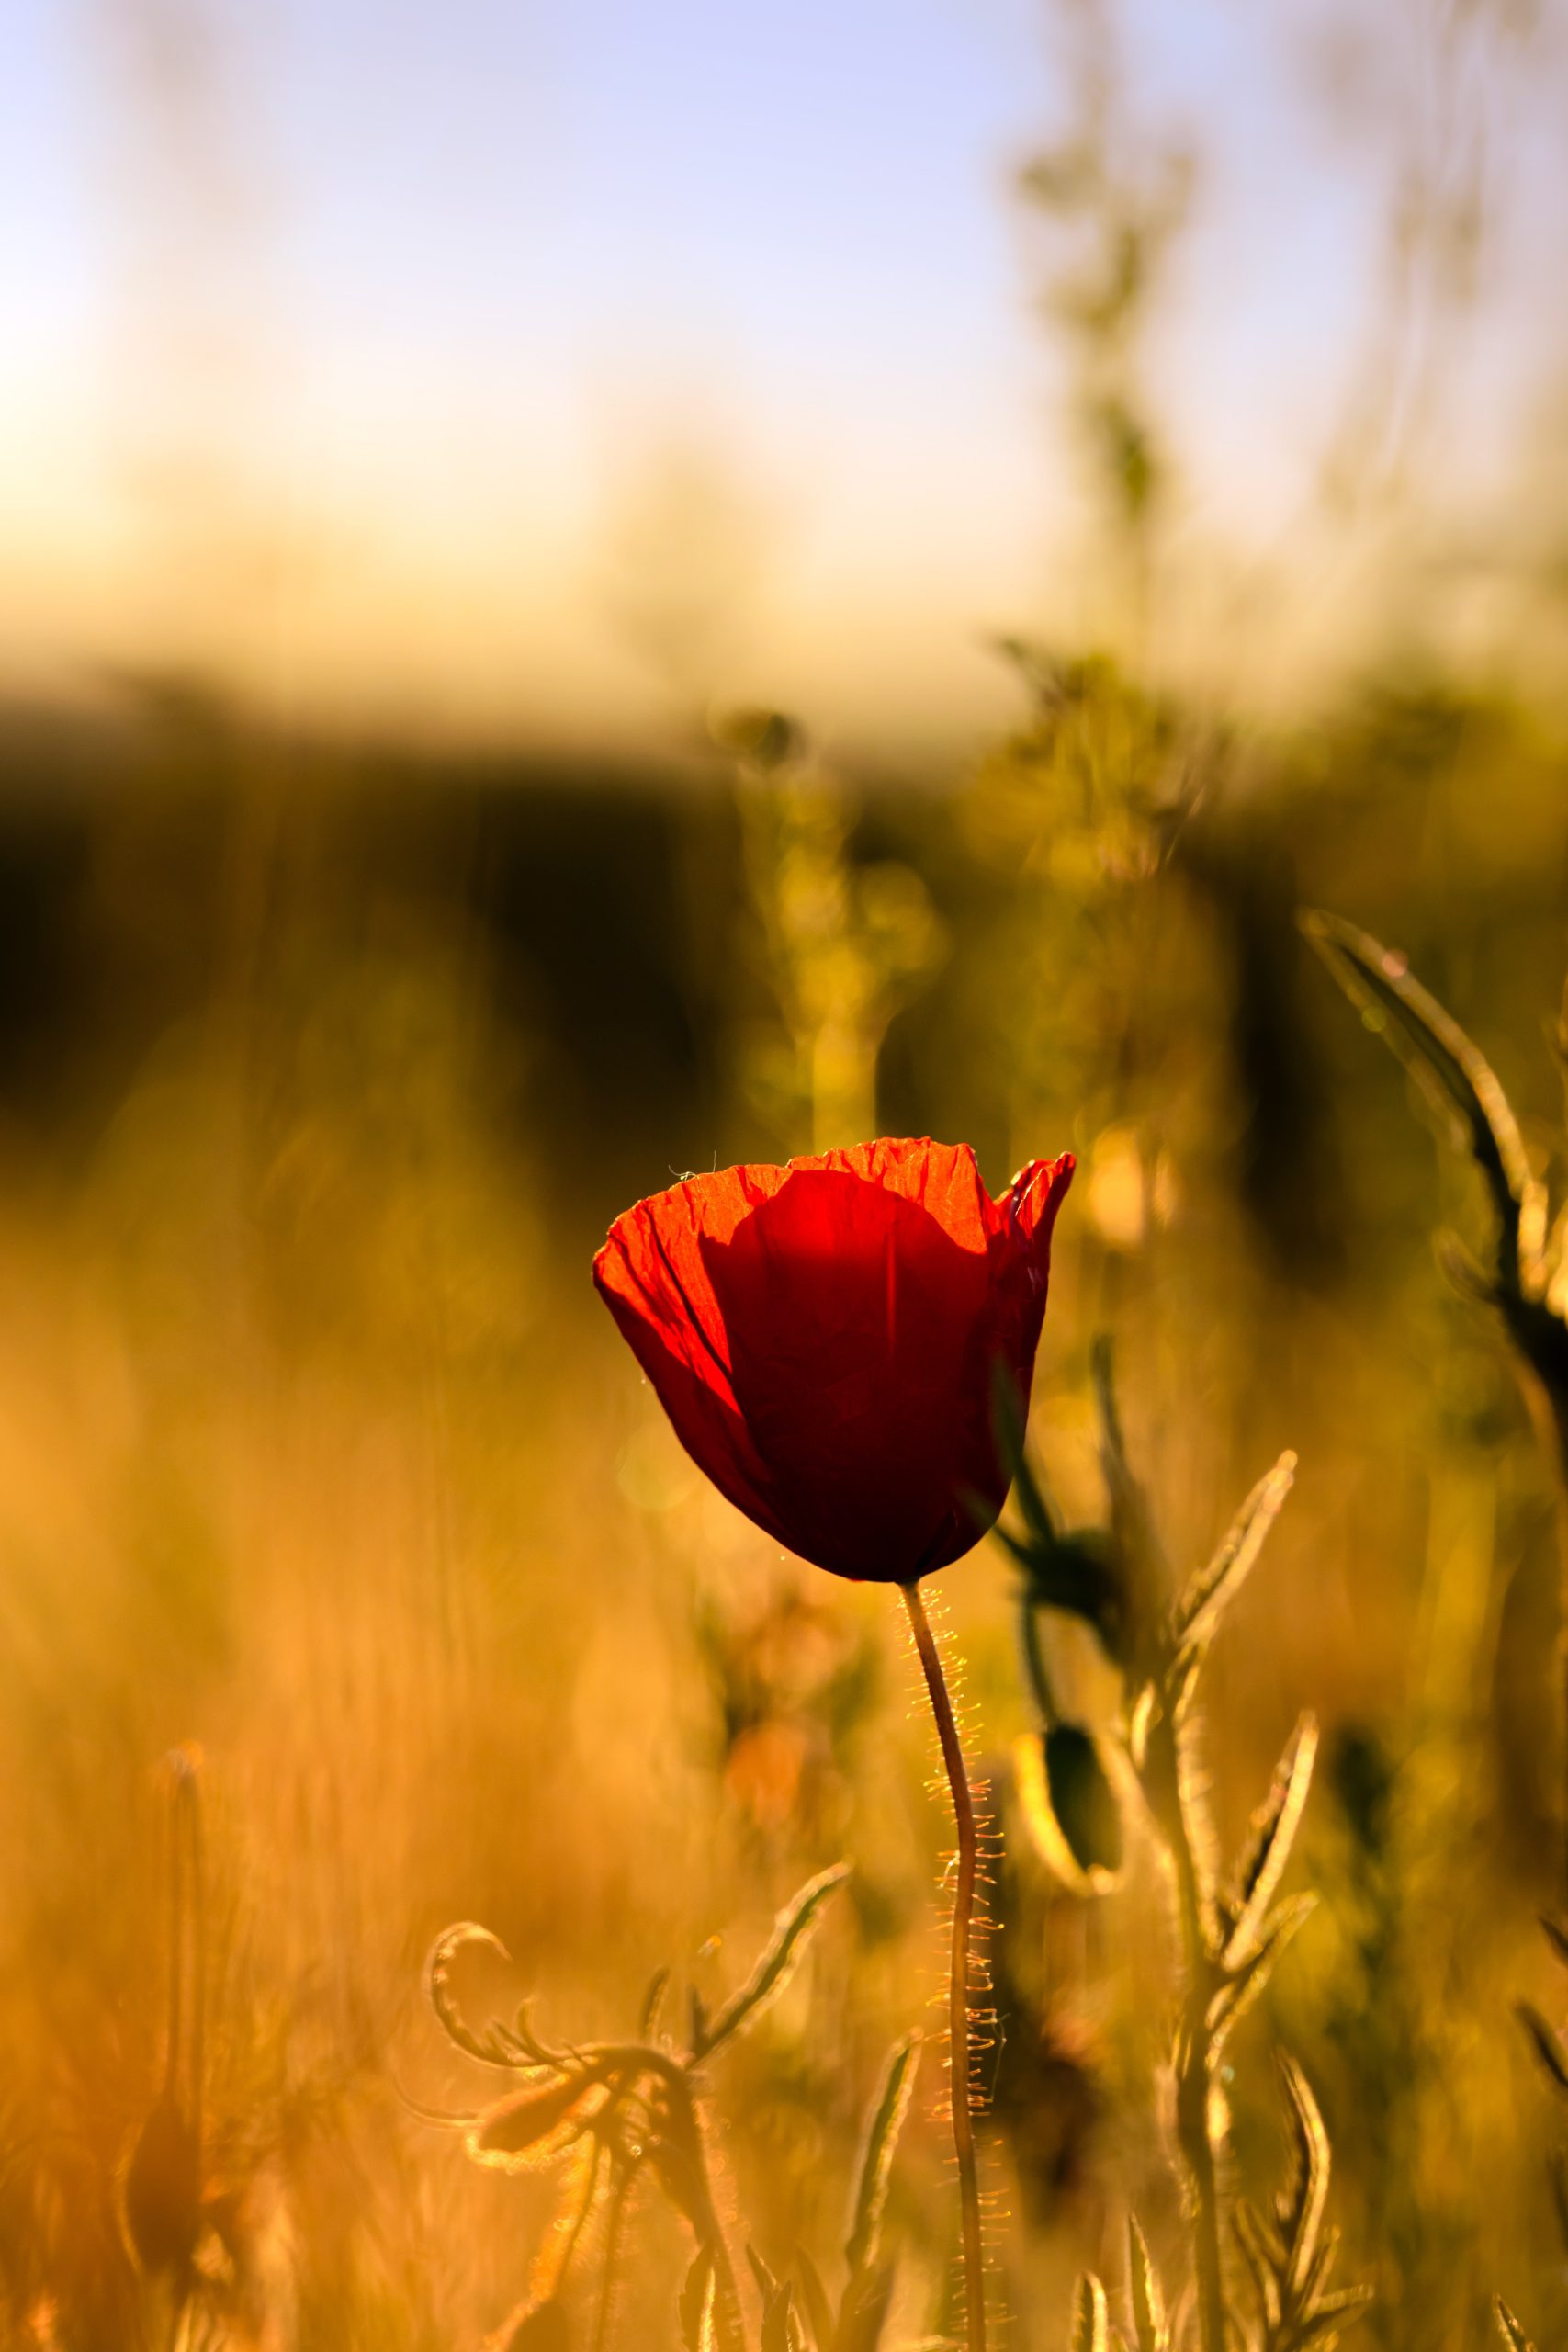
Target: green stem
(611, 2253)
(1176, 1803)
(1034, 1663)
(686, 2130)
(958, 1980)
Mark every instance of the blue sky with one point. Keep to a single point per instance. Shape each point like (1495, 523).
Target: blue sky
(405, 302)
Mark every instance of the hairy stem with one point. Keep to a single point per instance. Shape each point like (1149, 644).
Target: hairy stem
(686, 2131)
(958, 1981)
(1176, 1803)
(612, 2255)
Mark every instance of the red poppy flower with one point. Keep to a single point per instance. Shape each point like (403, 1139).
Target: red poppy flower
(824, 1337)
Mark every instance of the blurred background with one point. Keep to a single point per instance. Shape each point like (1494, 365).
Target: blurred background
(588, 591)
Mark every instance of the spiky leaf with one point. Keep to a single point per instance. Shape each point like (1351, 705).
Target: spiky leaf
(1212, 1590)
(814, 2295)
(778, 2336)
(1452, 1073)
(697, 2299)
(864, 2312)
(1091, 2320)
(1557, 1938)
(1234, 1998)
(1302, 2208)
(1265, 2259)
(1151, 2331)
(778, 1958)
(533, 2126)
(1268, 1850)
(887, 2119)
(652, 2003)
(1509, 2328)
(1326, 2323)
(1132, 1522)
(1545, 2042)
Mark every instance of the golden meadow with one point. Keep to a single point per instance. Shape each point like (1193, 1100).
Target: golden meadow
(352, 1585)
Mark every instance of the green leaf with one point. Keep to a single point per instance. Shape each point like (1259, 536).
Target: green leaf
(1326, 2323)
(1268, 1850)
(1132, 1524)
(1265, 2259)
(863, 2316)
(1544, 2040)
(778, 1958)
(1151, 2332)
(778, 2334)
(1008, 1427)
(652, 2002)
(1303, 2207)
(887, 2118)
(1236, 1997)
(1509, 2328)
(1455, 1077)
(1212, 1590)
(815, 2297)
(1091, 2320)
(697, 2299)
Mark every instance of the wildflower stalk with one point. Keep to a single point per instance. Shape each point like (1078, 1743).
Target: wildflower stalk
(684, 2135)
(623, 2179)
(1176, 1802)
(958, 1981)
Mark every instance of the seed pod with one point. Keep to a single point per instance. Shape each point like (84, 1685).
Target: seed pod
(163, 2191)
(1068, 1799)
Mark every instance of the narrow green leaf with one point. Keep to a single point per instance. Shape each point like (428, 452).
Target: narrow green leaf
(863, 2316)
(1545, 2042)
(1199, 1611)
(781, 2330)
(1234, 1998)
(767, 2285)
(1131, 1523)
(887, 2119)
(1455, 1077)
(1264, 2257)
(696, 2305)
(1308, 2193)
(1268, 1851)
(1316, 2278)
(652, 2002)
(1091, 2320)
(1008, 1427)
(1327, 2322)
(814, 2295)
(1509, 2328)
(1150, 2330)
(772, 1968)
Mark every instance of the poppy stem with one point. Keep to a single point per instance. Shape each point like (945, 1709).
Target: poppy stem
(958, 1981)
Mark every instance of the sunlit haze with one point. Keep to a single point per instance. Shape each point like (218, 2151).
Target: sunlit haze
(542, 370)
